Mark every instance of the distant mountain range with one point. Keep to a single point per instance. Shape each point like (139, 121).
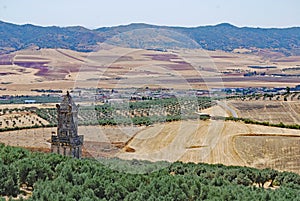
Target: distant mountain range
(219, 37)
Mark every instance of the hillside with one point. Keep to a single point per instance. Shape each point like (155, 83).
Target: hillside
(223, 36)
(17, 37)
(220, 37)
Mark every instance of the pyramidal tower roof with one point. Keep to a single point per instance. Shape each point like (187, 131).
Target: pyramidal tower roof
(67, 102)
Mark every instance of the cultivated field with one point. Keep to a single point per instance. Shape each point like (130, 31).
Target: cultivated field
(112, 67)
(230, 143)
(212, 141)
(21, 119)
(287, 112)
(98, 141)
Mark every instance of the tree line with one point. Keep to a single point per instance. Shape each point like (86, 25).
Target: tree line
(145, 112)
(263, 123)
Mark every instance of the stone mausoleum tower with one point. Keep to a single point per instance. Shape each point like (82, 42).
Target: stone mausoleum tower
(67, 142)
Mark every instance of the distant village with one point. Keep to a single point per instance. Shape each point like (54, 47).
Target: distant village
(138, 94)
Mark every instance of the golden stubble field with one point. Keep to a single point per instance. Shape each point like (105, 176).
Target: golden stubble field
(211, 141)
(230, 143)
(99, 141)
(116, 67)
(287, 112)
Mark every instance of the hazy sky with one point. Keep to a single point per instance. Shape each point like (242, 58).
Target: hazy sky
(99, 13)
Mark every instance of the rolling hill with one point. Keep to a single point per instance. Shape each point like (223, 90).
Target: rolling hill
(224, 37)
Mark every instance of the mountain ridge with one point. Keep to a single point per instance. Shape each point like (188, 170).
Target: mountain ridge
(224, 36)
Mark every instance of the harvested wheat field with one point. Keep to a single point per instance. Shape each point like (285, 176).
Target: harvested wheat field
(270, 111)
(98, 141)
(229, 143)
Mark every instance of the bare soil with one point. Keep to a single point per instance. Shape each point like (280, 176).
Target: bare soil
(112, 67)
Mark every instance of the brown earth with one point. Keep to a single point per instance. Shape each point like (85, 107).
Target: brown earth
(113, 67)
